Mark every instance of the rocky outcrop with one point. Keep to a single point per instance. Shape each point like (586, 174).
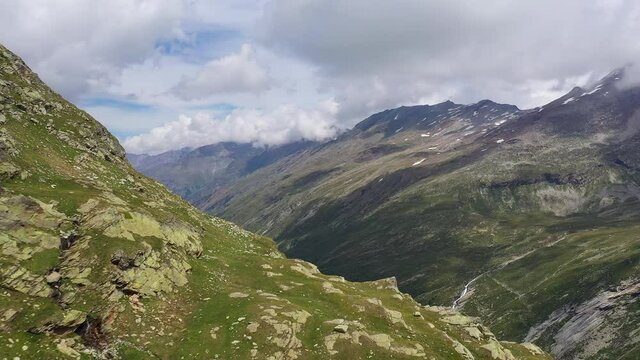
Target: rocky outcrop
(148, 274)
(354, 332)
(122, 223)
(477, 331)
(22, 280)
(599, 322)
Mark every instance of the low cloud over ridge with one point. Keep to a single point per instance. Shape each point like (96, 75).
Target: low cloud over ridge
(283, 125)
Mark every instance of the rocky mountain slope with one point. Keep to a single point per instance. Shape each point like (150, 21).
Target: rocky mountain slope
(97, 260)
(198, 173)
(525, 218)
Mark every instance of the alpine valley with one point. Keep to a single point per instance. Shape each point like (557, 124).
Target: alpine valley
(99, 261)
(526, 219)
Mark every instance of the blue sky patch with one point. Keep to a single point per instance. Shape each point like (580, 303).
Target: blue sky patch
(202, 45)
(221, 109)
(115, 103)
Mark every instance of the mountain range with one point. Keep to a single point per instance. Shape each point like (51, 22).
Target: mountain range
(99, 261)
(527, 219)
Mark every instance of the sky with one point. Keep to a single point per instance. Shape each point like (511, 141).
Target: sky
(168, 74)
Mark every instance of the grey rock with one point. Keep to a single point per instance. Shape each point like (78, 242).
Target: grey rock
(342, 328)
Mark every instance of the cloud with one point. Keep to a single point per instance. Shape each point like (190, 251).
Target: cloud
(176, 57)
(373, 54)
(235, 73)
(283, 125)
(82, 46)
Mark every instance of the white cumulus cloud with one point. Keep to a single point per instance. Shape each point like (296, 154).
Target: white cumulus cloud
(235, 73)
(82, 46)
(283, 125)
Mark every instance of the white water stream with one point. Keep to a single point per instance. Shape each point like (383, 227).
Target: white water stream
(464, 291)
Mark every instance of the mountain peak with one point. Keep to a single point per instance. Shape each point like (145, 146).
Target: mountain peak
(404, 118)
(492, 104)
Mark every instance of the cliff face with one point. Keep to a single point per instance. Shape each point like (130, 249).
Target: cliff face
(99, 261)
